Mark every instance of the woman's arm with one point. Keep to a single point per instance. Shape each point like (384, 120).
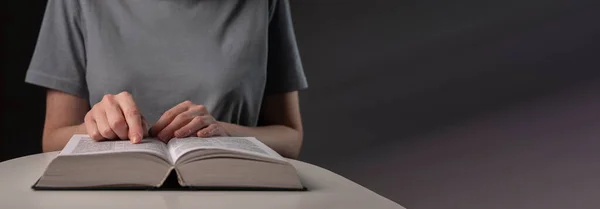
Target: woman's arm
(281, 127)
(64, 117)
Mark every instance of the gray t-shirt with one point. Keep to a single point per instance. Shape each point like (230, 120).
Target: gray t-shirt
(226, 55)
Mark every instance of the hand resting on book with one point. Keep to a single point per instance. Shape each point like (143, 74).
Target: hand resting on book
(184, 120)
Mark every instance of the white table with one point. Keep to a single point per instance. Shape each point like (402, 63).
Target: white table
(326, 190)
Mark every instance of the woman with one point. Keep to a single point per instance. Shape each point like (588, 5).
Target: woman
(185, 67)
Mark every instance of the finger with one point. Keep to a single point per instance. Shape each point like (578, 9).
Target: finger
(169, 116)
(197, 123)
(179, 121)
(102, 124)
(115, 118)
(132, 116)
(92, 128)
(145, 126)
(211, 131)
(199, 109)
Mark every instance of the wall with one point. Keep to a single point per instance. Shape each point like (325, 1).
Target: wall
(455, 104)
(23, 105)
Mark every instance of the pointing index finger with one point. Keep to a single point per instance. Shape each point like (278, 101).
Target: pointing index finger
(132, 116)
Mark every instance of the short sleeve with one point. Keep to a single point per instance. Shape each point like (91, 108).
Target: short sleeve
(284, 70)
(58, 61)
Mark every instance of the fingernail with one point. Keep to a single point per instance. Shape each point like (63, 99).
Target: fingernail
(136, 138)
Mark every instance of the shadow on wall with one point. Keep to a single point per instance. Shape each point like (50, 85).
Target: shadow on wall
(402, 92)
(539, 154)
(393, 74)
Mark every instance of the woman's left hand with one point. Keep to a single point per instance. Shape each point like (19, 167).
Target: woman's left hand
(185, 120)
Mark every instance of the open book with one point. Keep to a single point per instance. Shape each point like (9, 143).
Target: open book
(219, 162)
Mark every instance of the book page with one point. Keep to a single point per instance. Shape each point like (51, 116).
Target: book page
(84, 145)
(249, 145)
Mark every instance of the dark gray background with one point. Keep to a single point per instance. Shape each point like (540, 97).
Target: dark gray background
(433, 104)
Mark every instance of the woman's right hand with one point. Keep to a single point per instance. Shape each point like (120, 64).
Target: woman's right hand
(116, 117)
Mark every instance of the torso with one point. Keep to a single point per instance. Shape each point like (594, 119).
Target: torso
(167, 51)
